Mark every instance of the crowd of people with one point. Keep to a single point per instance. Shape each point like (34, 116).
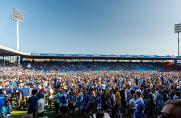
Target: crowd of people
(118, 89)
(101, 66)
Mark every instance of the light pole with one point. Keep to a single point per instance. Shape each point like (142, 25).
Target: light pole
(178, 30)
(18, 16)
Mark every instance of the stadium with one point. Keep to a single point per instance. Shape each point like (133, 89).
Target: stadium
(78, 85)
(43, 69)
(170, 62)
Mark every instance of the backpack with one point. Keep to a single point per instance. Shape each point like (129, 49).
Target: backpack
(63, 99)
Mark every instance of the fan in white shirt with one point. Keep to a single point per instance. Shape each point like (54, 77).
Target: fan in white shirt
(40, 105)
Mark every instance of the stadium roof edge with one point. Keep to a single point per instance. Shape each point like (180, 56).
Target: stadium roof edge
(6, 51)
(95, 56)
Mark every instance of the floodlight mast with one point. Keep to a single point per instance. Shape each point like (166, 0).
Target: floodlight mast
(178, 30)
(178, 45)
(17, 35)
(18, 16)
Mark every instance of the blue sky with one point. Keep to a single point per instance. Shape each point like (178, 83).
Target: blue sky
(93, 26)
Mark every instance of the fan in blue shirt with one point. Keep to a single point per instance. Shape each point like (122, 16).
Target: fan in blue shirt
(25, 91)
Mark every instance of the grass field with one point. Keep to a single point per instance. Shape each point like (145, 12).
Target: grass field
(18, 114)
(49, 113)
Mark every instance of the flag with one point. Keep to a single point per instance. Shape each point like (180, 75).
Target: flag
(29, 66)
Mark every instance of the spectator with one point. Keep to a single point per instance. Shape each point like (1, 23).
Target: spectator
(132, 106)
(32, 101)
(171, 109)
(6, 110)
(2, 99)
(139, 113)
(57, 99)
(40, 105)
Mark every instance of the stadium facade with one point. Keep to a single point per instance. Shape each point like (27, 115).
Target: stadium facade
(9, 54)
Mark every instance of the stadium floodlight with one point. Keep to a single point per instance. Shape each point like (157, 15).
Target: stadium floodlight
(18, 16)
(178, 30)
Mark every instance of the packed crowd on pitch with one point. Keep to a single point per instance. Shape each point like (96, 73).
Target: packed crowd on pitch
(118, 93)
